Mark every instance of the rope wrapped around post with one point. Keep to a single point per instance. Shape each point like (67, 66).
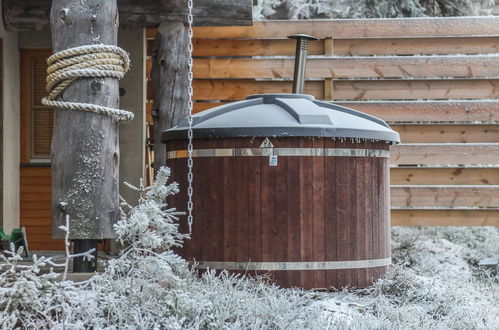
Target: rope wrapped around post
(89, 61)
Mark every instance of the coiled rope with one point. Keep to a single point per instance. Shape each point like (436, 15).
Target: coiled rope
(90, 61)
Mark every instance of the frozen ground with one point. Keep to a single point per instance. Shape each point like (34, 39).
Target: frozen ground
(435, 284)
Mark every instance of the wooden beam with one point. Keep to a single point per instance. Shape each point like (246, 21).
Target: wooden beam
(445, 217)
(85, 151)
(29, 15)
(169, 76)
(446, 153)
(464, 66)
(444, 196)
(362, 28)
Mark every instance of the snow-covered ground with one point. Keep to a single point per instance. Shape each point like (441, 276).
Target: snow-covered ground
(434, 284)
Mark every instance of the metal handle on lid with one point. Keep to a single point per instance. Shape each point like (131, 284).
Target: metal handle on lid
(300, 61)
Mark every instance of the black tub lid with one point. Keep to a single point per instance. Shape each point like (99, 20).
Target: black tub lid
(285, 115)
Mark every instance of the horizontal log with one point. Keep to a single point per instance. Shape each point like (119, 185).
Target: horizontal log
(445, 217)
(361, 28)
(419, 67)
(429, 111)
(448, 153)
(30, 15)
(444, 196)
(444, 176)
(447, 133)
(354, 89)
(345, 47)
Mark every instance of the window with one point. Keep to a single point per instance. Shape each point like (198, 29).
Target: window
(36, 119)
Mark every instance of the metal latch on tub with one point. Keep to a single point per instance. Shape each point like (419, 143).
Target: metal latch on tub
(269, 149)
(273, 160)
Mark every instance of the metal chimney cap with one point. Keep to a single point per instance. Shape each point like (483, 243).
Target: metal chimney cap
(303, 36)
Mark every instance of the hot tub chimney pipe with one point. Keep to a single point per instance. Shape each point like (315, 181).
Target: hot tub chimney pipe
(300, 61)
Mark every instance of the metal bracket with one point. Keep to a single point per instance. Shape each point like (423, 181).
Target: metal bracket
(266, 144)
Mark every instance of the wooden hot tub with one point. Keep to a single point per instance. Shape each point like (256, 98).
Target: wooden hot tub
(290, 187)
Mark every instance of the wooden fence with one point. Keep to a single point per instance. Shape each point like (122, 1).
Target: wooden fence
(435, 80)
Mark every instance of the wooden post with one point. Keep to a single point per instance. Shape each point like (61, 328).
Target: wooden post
(169, 76)
(328, 82)
(85, 154)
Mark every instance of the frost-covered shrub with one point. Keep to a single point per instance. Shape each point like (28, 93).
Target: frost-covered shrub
(434, 285)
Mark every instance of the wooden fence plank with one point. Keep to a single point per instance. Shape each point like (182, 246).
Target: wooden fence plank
(360, 28)
(447, 133)
(444, 196)
(444, 176)
(448, 153)
(429, 111)
(414, 111)
(445, 217)
(239, 89)
(354, 89)
(416, 89)
(469, 66)
(346, 47)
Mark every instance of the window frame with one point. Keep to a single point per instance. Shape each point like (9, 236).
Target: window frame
(27, 105)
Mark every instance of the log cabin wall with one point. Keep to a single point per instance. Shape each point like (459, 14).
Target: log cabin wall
(434, 80)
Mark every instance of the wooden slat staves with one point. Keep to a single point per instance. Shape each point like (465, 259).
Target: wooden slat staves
(445, 217)
(448, 153)
(444, 176)
(444, 196)
(472, 66)
(360, 28)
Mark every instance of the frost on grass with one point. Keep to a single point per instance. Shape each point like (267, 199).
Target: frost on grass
(434, 285)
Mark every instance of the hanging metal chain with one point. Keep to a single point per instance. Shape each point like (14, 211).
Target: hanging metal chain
(190, 204)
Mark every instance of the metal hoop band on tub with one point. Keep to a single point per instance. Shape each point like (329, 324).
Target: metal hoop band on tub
(251, 152)
(311, 265)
